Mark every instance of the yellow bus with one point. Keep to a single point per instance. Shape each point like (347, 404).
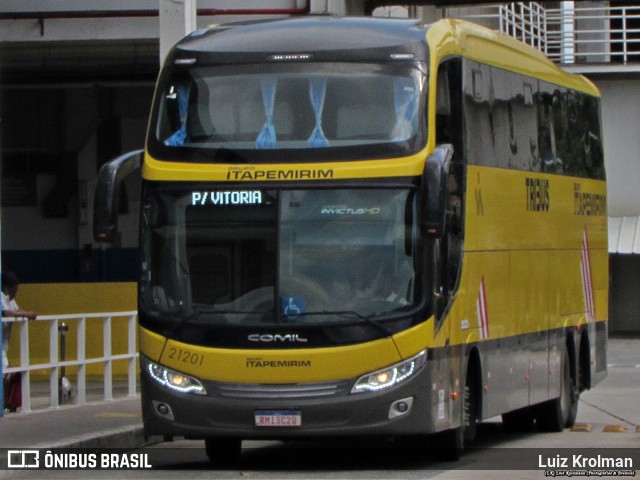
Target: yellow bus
(365, 227)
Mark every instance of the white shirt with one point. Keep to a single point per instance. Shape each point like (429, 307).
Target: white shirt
(7, 304)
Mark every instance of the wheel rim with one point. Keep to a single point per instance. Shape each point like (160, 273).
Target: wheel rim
(470, 419)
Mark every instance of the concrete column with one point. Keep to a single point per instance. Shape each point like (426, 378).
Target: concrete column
(431, 13)
(354, 8)
(177, 19)
(593, 32)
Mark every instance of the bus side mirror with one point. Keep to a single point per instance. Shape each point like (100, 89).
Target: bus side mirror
(433, 192)
(106, 200)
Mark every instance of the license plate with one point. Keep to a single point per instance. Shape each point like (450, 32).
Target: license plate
(272, 418)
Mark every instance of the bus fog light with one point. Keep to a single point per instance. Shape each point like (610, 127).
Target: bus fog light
(173, 380)
(390, 376)
(400, 407)
(162, 409)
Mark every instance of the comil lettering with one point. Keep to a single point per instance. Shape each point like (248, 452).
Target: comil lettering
(269, 338)
(233, 197)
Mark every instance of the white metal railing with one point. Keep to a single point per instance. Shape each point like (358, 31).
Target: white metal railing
(81, 361)
(605, 34)
(570, 34)
(525, 22)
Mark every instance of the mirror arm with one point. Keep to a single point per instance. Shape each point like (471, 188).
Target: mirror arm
(107, 195)
(434, 192)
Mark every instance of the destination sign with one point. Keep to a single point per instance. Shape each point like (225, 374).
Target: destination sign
(226, 197)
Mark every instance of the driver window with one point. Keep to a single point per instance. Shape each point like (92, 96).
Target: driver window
(449, 130)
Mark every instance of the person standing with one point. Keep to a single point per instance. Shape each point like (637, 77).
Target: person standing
(10, 284)
(11, 381)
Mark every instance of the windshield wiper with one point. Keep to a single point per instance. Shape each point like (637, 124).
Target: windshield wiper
(195, 315)
(229, 311)
(349, 313)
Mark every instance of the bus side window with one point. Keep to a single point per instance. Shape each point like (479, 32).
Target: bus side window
(591, 138)
(449, 107)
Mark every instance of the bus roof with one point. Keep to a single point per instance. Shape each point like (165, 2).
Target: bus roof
(321, 38)
(450, 37)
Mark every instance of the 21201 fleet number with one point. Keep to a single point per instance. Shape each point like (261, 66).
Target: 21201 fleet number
(186, 356)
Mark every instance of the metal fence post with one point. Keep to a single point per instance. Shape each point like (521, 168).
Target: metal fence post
(24, 363)
(64, 386)
(53, 361)
(131, 351)
(108, 362)
(81, 396)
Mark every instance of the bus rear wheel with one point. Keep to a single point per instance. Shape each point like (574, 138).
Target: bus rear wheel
(223, 451)
(556, 414)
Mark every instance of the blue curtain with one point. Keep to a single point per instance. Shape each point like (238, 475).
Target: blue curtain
(317, 91)
(406, 104)
(178, 137)
(267, 136)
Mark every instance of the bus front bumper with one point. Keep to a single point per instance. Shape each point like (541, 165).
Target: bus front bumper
(404, 409)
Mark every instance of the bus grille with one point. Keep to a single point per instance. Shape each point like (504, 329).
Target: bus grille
(298, 390)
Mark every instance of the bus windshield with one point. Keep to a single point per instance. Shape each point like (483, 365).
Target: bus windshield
(307, 107)
(268, 256)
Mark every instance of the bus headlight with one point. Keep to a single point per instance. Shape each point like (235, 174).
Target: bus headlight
(390, 376)
(176, 381)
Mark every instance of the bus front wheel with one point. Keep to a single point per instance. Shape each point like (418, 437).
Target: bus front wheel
(223, 451)
(451, 444)
(453, 441)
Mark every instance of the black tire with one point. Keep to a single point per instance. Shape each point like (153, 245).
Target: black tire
(451, 444)
(223, 451)
(521, 420)
(554, 415)
(574, 397)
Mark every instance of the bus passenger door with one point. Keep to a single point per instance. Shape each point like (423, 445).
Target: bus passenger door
(447, 248)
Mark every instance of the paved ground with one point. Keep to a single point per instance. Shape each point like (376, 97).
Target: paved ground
(115, 423)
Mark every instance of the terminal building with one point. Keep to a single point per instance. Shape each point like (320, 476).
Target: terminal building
(76, 82)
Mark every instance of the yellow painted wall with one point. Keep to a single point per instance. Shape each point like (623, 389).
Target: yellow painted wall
(69, 298)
